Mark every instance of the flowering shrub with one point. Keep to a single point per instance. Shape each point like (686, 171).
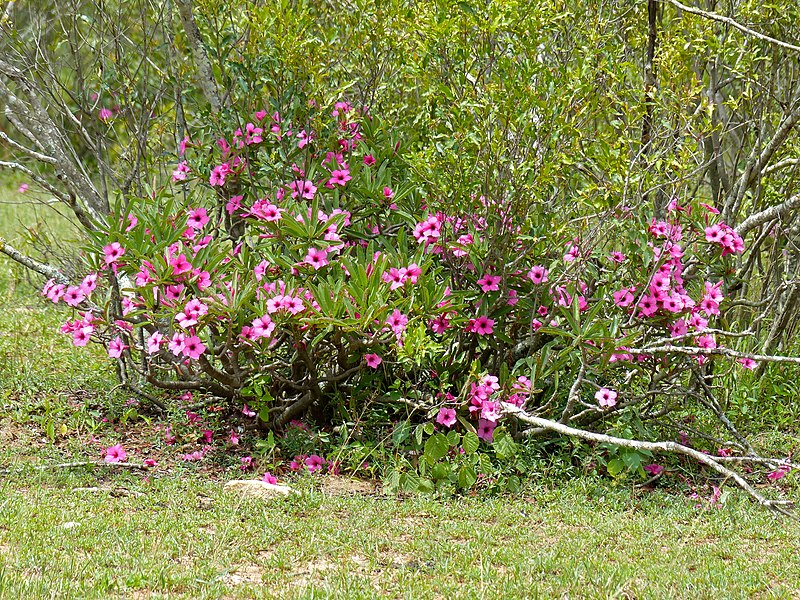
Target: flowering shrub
(294, 266)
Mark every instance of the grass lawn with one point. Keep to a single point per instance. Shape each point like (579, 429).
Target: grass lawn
(173, 532)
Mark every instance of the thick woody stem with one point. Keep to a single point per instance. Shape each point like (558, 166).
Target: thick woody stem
(202, 63)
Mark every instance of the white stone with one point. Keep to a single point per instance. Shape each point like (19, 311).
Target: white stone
(257, 488)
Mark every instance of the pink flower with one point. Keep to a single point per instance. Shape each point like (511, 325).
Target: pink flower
(373, 360)
(653, 470)
(154, 342)
(482, 325)
(180, 265)
(247, 412)
(233, 438)
(180, 172)
(23, 188)
(369, 160)
(89, 283)
(748, 363)
(315, 463)
(104, 115)
(649, 306)
(305, 189)
(270, 212)
(623, 297)
(175, 345)
(115, 454)
(74, 296)
(606, 397)
(428, 231)
(81, 337)
(116, 347)
(398, 322)
(234, 204)
(678, 328)
(198, 218)
(247, 462)
(304, 139)
(706, 341)
(446, 417)
(269, 478)
(55, 292)
(113, 252)
(538, 274)
(317, 258)
(339, 177)
(779, 473)
(489, 283)
(714, 234)
(486, 430)
(440, 324)
(218, 175)
(193, 347)
(262, 327)
(395, 277)
(617, 257)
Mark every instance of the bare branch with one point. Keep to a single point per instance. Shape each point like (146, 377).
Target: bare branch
(32, 264)
(728, 21)
(789, 162)
(767, 215)
(30, 152)
(691, 351)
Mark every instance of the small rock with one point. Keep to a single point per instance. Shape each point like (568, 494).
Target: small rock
(257, 488)
(70, 525)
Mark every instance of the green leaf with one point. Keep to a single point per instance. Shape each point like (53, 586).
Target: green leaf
(409, 482)
(426, 486)
(453, 438)
(615, 467)
(467, 477)
(418, 433)
(436, 447)
(401, 433)
(504, 446)
(632, 460)
(470, 442)
(440, 471)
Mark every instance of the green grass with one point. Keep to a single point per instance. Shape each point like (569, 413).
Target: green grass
(175, 533)
(189, 539)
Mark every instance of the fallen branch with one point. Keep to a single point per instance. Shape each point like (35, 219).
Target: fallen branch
(77, 464)
(780, 506)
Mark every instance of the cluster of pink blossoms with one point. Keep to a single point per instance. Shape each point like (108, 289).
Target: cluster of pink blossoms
(485, 404)
(722, 234)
